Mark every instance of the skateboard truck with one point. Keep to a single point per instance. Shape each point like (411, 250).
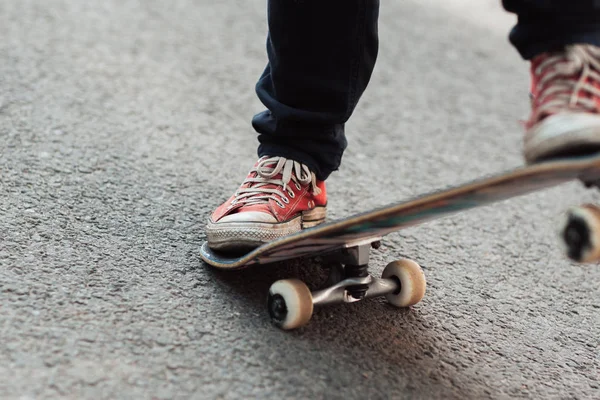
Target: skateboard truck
(349, 279)
(290, 302)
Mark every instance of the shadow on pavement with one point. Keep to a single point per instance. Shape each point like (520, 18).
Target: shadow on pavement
(403, 344)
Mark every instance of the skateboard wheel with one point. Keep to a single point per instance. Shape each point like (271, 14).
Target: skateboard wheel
(290, 304)
(412, 282)
(580, 233)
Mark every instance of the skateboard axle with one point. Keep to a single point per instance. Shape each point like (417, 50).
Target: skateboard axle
(339, 292)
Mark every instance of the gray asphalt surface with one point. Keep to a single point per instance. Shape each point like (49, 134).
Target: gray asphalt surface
(124, 123)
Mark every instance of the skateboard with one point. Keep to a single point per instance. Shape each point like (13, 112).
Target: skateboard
(349, 240)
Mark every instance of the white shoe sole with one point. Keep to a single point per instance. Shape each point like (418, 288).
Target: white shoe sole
(246, 235)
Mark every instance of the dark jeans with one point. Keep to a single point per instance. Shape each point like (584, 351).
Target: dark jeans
(322, 53)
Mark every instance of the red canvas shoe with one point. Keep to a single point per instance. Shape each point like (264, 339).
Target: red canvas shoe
(565, 97)
(278, 197)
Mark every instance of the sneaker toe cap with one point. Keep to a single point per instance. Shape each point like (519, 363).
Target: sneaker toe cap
(249, 216)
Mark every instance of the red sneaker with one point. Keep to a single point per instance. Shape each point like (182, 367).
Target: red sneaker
(565, 97)
(278, 197)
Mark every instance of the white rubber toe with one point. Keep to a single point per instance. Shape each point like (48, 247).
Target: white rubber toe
(563, 134)
(250, 216)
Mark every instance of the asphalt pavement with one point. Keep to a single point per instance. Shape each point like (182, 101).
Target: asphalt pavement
(124, 123)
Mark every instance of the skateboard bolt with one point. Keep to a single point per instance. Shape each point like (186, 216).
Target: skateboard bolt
(358, 292)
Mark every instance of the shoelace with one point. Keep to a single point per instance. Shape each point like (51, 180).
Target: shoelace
(267, 170)
(557, 88)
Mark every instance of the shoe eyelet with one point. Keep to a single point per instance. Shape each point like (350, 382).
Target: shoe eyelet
(291, 194)
(285, 200)
(298, 186)
(279, 204)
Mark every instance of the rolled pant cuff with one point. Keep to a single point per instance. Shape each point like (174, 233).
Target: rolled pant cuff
(534, 48)
(292, 154)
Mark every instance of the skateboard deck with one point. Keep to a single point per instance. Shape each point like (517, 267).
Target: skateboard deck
(290, 302)
(369, 227)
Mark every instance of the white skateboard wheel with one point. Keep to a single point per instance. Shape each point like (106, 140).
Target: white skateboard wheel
(412, 282)
(580, 233)
(290, 304)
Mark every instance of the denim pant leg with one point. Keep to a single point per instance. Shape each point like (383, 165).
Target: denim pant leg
(546, 25)
(321, 55)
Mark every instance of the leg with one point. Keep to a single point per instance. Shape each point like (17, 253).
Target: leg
(547, 25)
(561, 38)
(321, 56)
